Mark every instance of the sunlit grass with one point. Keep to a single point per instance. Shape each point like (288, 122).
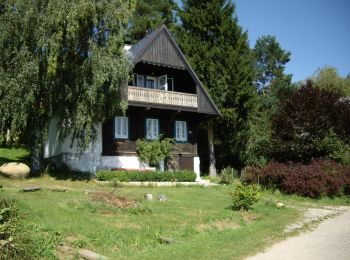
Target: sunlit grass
(199, 219)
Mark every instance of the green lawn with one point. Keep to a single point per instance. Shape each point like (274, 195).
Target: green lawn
(13, 155)
(199, 219)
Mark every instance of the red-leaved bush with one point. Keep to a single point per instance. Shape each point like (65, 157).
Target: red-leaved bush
(316, 179)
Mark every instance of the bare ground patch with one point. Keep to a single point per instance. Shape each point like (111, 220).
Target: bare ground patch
(113, 199)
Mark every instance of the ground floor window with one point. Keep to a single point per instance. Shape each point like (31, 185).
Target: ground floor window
(121, 127)
(181, 131)
(152, 128)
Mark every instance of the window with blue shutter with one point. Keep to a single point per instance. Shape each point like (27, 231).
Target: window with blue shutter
(121, 127)
(152, 128)
(181, 131)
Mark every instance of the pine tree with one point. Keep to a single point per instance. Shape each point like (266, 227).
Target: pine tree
(63, 59)
(149, 15)
(274, 86)
(270, 60)
(219, 52)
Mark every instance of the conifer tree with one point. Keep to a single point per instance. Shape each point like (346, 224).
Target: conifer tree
(270, 61)
(149, 15)
(219, 52)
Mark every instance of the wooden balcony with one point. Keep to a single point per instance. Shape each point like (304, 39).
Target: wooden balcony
(162, 97)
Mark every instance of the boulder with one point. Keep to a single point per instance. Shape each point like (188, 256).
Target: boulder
(14, 170)
(148, 196)
(279, 205)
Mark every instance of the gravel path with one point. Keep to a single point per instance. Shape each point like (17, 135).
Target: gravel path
(329, 240)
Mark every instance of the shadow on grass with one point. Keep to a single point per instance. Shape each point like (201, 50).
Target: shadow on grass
(23, 159)
(62, 173)
(21, 154)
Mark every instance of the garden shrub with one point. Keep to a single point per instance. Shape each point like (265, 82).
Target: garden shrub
(244, 196)
(316, 179)
(156, 176)
(227, 175)
(311, 123)
(153, 152)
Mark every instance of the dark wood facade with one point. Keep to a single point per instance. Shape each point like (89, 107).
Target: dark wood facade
(137, 117)
(153, 57)
(163, 52)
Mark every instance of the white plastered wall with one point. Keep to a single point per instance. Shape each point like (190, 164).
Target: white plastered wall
(125, 162)
(196, 167)
(64, 151)
(89, 160)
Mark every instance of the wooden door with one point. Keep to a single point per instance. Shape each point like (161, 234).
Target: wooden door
(186, 163)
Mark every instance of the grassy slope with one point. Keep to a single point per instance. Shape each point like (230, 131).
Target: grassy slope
(199, 219)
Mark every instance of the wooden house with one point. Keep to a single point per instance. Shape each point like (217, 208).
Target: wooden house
(164, 97)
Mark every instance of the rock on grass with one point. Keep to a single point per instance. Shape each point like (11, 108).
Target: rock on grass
(14, 170)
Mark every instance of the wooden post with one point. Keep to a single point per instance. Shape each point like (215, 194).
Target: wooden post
(212, 163)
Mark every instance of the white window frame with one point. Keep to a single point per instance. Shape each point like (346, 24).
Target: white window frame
(152, 128)
(154, 80)
(181, 131)
(163, 86)
(121, 127)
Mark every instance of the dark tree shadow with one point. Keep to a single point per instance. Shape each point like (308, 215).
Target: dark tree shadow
(63, 172)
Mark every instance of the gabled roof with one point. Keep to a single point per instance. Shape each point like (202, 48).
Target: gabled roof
(139, 50)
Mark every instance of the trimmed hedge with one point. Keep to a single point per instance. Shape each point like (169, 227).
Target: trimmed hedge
(317, 179)
(156, 176)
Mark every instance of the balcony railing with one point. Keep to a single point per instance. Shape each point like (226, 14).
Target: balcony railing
(156, 96)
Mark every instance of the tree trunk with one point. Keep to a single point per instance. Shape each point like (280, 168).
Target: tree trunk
(36, 158)
(212, 166)
(37, 152)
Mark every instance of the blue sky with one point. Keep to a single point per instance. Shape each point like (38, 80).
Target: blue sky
(316, 32)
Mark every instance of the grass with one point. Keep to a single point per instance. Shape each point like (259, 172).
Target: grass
(13, 155)
(199, 219)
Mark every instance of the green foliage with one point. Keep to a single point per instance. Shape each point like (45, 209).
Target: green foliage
(335, 148)
(275, 87)
(228, 175)
(8, 227)
(270, 60)
(148, 16)
(218, 50)
(153, 152)
(60, 59)
(127, 176)
(328, 78)
(245, 196)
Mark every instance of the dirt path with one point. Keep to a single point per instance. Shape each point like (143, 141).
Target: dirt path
(329, 240)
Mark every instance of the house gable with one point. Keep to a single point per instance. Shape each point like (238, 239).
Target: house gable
(162, 52)
(160, 48)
